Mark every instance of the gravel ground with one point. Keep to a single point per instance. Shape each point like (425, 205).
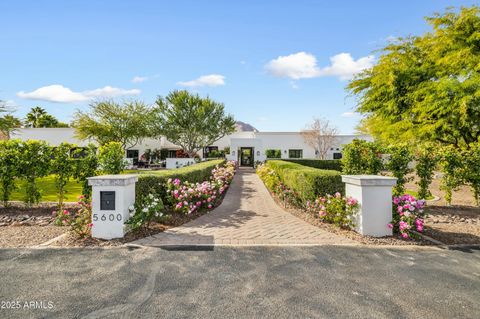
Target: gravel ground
(28, 236)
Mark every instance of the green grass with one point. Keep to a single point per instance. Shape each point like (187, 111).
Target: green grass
(415, 194)
(47, 188)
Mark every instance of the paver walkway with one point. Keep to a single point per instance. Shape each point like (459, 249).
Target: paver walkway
(248, 216)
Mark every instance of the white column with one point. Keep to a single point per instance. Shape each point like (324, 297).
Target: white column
(374, 194)
(111, 197)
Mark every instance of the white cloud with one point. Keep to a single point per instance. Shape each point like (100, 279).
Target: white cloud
(205, 80)
(59, 93)
(294, 85)
(303, 65)
(296, 66)
(348, 114)
(109, 91)
(139, 79)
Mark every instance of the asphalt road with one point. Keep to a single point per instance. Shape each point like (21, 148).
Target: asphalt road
(293, 282)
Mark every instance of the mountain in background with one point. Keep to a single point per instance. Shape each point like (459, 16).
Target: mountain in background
(244, 127)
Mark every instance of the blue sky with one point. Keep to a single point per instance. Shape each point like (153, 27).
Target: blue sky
(274, 64)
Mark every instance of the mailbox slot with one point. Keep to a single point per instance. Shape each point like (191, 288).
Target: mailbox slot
(107, 200)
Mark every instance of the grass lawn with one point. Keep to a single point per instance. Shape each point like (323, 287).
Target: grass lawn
(47, 188)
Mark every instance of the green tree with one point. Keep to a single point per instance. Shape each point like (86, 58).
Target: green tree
(398, 164)
(38, 117)
(9, 124)
(427, 87)
(108, 121)
(111, 158)
(9, 167)
(362, 157)
(190, 121)
(86, 165)
(471, 169)
(63, 167)
(34, 163)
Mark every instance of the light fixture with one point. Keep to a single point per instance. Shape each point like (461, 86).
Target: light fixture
(258, 153)
(233, 153)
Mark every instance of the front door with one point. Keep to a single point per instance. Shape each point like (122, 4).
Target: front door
(246, 156)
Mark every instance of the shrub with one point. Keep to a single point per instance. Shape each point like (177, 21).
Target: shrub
(79, 220)
(408, 214)
(111, 158)
(426, 160)
(307, 182)
(188, 197)
(9, 167)
(362, 157)
(450, 164)
(397, 164)
(86, 165)
(154, 183)
(335, 165)
(272, 181)
(335, 210)
(144, 212)
(63, 167)
(34, 163)
(273, 153)
(470, 171)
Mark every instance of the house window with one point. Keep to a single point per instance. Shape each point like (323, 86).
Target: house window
(295, 153)
(210, 151)
(172, 154)
(134, 155)
(337, 156)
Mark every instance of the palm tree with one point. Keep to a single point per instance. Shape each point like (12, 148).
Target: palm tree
(8, 124)
(34, 117)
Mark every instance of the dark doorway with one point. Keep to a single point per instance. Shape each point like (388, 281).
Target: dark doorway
(246, 156)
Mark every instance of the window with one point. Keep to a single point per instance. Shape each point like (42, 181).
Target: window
(134, 155)
(172, 154)
(270, 153)
(337, 156)
(295, 153)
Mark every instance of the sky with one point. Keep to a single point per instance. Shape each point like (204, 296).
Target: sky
(274, 64)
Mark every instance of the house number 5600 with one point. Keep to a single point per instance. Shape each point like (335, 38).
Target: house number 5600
(105, 217)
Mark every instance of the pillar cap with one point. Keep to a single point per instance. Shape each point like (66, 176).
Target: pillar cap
(369, 180)
(112, 180)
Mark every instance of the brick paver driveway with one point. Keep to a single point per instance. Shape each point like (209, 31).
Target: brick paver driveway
(248, 216)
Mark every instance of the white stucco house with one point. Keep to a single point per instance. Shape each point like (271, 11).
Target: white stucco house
(244, 147)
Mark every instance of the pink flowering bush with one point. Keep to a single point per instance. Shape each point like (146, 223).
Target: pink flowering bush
(190, 197)
(408, 215)
(78, 219)
(336, 209)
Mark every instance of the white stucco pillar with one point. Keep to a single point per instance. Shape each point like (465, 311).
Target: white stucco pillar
(374, 194)
(111, 197)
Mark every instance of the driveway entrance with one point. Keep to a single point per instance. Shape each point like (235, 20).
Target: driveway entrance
(248, 216)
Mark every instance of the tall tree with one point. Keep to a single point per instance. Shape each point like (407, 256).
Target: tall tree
(190, 121)
(426, 88)
(108, 121)
(8, 124)
(320, 135)
(38, 117)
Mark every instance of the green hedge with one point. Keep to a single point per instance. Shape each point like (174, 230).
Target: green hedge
(307, 182)
(154, 182)
(335, 165)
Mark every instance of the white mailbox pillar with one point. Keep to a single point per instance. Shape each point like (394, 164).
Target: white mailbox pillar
(374, 194)
(111, 197)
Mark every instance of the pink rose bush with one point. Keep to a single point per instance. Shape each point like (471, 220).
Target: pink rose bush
(78, 219)
(408, 215)
(336, 209)
(190, 197)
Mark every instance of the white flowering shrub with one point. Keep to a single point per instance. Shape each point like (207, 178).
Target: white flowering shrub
(146, 211)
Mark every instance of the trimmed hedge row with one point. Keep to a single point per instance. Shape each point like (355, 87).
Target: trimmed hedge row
(307, 182)
(154, 183)
(335, 165)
